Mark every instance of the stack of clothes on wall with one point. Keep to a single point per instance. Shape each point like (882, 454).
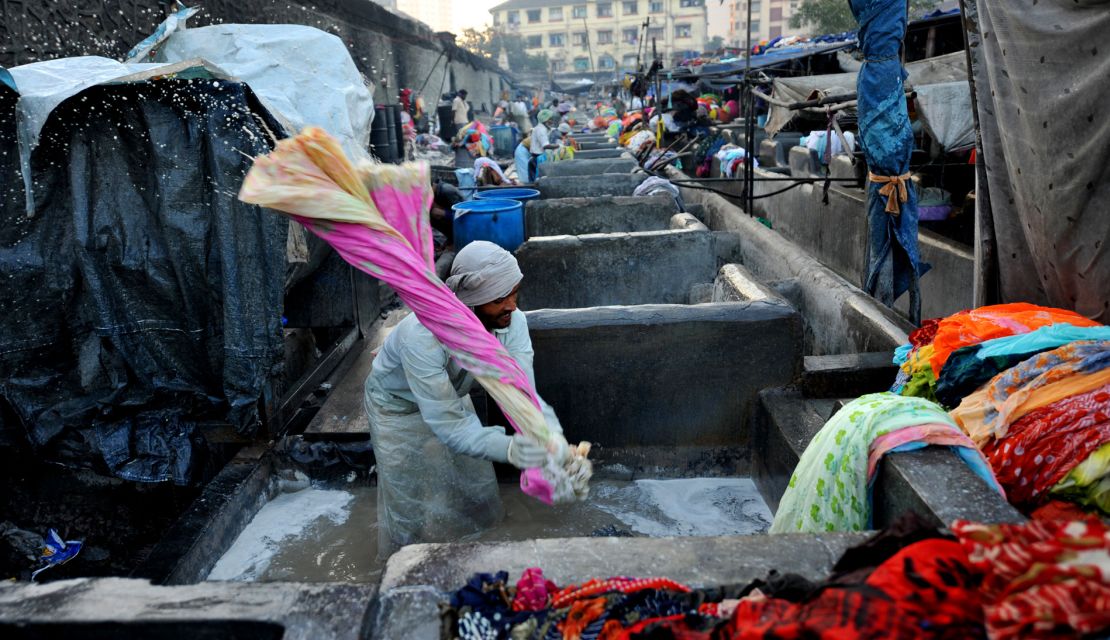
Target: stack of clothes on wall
(1030, 386)
(1007, 581)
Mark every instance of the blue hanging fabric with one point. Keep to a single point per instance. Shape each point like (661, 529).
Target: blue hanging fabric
(893, 265)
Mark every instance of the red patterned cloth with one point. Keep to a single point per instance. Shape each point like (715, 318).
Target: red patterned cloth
(926, 590)
(533, 591)
(623, 585)
(1047, 443)
(1042, 579)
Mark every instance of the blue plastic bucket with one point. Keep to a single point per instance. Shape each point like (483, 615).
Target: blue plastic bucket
(509, 193)
(499, 221)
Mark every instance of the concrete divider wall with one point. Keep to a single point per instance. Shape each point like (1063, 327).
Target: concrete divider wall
(836, 234)
(839, 317)
(663, 375)
(601, 214)
(651, 267)
(589, 186)
(587, 167)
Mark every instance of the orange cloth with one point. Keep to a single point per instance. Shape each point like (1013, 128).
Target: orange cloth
(582, 614)
(971, 413)
(996, 321)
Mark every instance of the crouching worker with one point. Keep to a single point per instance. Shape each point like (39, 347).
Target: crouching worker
(436, 480)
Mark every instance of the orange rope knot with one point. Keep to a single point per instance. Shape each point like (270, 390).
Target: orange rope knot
(894, 188)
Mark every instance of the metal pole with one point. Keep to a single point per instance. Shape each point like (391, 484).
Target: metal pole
(749, 130)
(589, 49)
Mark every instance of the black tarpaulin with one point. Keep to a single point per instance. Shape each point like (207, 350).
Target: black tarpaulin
(141, 297)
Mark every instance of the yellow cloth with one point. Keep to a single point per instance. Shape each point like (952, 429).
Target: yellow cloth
(894, 188)
(971, 413)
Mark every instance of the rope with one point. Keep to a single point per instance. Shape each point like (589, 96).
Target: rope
(894, 188)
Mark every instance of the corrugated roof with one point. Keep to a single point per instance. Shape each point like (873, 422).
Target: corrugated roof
(534, 4)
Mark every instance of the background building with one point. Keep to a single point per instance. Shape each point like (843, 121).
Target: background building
(770, 19)
(437, 14)
(582, 36)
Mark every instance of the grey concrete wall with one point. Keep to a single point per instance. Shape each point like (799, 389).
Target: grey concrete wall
(663, 375)
(599, 154)
(587, 167)
(600, 214)
(836, 234)
(651, 267)
(606, 184)
(839, 317)
(383, 44)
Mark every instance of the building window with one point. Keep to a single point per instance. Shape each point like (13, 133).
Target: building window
(605, 37)
(605, 9)
(655, 6)
(630, 8)
(497, 18)
(558, 66)
(629, 36)
(533, 42)
(655, 32)
(555, 14)
(581, 64)
(755, 27)
(534, 15)
(775, 32)
(776, 14)
(682, 31)
(578, 11)
(629, 61)
(757, 7)
(512, 17)
(691, 3)
(578, 38)
(557, 39)
(606, 62)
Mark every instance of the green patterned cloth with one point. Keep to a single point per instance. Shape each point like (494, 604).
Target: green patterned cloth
(828, 491)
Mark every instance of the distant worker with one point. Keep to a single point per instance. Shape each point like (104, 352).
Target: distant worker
(541, 138)
(435, 478)
(460, 110)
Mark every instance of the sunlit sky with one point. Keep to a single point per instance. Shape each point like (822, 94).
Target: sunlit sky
(467, 13)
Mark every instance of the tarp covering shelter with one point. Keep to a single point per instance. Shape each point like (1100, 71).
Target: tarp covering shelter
(944, 98)
(1040, 72)
(141, 298)
(887, 141)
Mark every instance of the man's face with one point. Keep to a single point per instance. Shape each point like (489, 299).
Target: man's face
(498, 314)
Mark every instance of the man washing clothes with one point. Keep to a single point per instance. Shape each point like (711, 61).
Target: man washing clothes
(436, 479)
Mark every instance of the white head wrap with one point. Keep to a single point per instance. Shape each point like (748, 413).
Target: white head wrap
(483, 272)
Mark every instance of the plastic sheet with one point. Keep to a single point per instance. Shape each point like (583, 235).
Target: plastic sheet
(303, 75)
(140, 297)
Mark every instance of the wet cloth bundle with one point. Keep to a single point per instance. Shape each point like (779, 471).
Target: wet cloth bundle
(970, 367)
(829, 490)
(376, 219)
(1043, 447)
(1048, 377)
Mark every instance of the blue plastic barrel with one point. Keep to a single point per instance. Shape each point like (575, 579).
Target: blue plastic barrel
(509, 193)
(498, 221)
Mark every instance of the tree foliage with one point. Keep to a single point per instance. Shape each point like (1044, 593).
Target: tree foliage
(489, 42)
(835, 16)
(715, 43)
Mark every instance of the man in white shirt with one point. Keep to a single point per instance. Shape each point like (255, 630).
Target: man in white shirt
(460, 110)
(541, 138)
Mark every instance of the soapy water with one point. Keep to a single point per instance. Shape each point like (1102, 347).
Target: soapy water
(330, 535)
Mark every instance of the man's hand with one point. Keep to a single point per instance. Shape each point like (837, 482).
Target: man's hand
(526, 453)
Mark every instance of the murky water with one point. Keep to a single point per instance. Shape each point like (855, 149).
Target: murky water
(330, 535)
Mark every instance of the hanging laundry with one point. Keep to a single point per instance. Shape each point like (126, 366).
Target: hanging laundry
(970, 367)
(376, 219)
(1041, 579)
(1047, 443)
(1048, 377)
(829, 490)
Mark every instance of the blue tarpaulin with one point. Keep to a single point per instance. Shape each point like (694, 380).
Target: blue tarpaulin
(892, 266)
